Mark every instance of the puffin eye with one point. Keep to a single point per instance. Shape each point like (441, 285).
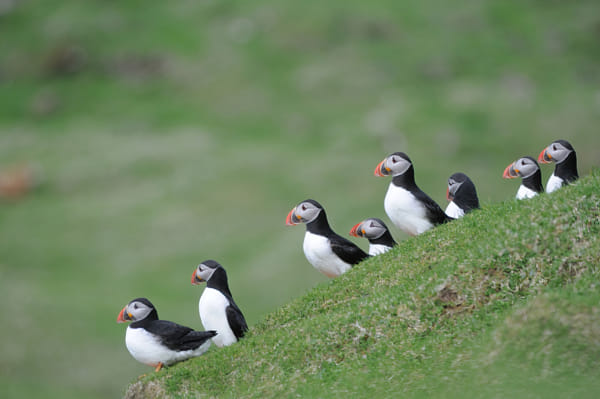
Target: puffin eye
(303, 207)
(553, 147)
(394, 160)
(135, 306)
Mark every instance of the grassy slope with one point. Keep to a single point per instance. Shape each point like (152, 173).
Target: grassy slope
(194, 123)
(503, 302)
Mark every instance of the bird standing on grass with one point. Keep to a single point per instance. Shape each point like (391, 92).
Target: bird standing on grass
(328, 252)
(562, 153)
(407, 206)
(218, 311)
(531, 177)
(373, 229)
(159, 343)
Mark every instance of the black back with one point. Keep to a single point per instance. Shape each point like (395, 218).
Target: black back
(466, 195)
(534, 182)
(435, 214)
(385, 239)
(172, 335)
(345, 249)
(235, 317)
(567, 169)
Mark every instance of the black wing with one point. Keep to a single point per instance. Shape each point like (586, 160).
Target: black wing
(236, 320)
(434, 213)
(347, 250)
(177, 337)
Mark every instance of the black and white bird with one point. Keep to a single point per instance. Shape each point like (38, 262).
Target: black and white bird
(409, 208)
(159, 343)
(562, 153)
(462, 196)
(328, 252)
(373, 229)
(531, 177)
(218, 311)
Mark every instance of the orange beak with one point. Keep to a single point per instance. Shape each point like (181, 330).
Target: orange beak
(544, 157)
(378, 171)
(448, 196)
(509, 172)
(195, 279)
(288, 219)
(355, 230)
(121, 317)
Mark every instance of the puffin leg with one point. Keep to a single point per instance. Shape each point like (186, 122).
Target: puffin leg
(158, 366)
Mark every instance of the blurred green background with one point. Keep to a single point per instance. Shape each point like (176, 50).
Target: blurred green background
(163, 134)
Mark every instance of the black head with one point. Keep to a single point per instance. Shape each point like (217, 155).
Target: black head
(394, 164)
(305, 212)
(136, 310)
(523, 167)
(371, 228)
(558, 151)
(205, 271)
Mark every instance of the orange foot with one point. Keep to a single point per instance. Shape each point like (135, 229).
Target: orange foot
(158, 366)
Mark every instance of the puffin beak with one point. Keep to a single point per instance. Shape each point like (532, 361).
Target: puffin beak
(544, 157)
(356, 230)
(510, 172)
(448, 195)
(379, 169)
(195, 279)
(123, 317)
(289, 220)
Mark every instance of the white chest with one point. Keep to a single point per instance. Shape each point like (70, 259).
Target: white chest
(554, 183)
(525, 193)
(318, 252)
(378, 249)
(212, 307)
(147, 349)
(454, 211)
(405, 211)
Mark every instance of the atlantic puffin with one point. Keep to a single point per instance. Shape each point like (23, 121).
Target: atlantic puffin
(159, 343)
(218, 311)
(373, 229)
(562, 153)
(409, 208)
(328, 252)
(531, 177)
(462, 196)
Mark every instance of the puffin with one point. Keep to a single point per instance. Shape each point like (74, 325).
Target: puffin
(462, 196)
(409, 208)
(218, 311)
(373, 229)
(529, 171)
(328, 252)
(159, 343)
(562, 153)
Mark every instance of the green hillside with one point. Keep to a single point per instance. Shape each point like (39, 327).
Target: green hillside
(502, 303)
(164, 134)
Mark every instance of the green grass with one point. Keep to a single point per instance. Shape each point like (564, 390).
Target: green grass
(183, 131)
(501, 303)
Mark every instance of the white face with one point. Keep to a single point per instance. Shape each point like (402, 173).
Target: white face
(372, 229)
(557, 152)
(204, 272)
(137, 311)
(305, 212)
(395, 165)
(525, 167)
(453, 187)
